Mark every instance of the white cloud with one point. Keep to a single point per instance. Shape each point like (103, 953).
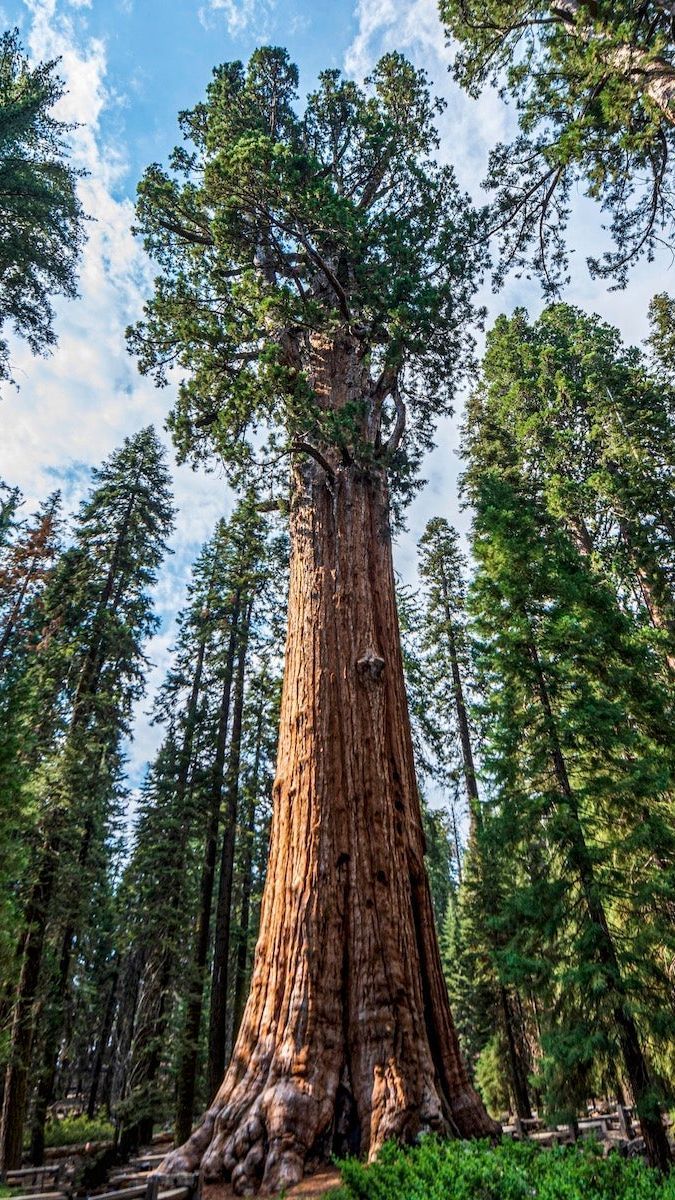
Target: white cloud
(241, 16)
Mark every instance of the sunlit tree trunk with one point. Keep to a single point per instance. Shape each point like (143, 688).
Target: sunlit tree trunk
(347, 1037)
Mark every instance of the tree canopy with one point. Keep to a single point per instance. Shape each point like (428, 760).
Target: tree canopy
(594, 87)
(40, 212)
(272, 228)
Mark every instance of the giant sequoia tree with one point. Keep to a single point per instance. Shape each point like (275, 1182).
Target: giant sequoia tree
(316, 275)
(594, 83)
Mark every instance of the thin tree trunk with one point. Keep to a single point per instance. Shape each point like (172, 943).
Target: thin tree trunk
(152, 1012)
(115, 1081)
(221, 946)
(187, 1069)
(21, 1042)
(519, 1086)
(102, 1045)
(517, 1072)
(462, 716)
(347, 1036)
(653, 1131)
(146, 1054)
(241, 979)
(53, 1027)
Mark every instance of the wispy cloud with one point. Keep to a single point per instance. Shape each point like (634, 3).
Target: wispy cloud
(253, 17)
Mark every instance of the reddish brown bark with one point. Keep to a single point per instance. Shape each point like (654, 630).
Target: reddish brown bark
(347, 1037)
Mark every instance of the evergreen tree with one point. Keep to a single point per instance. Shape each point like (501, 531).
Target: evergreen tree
(594, 86)
(486, 1009)
(25, 565)
(88, 673)
(189, 807)
(578, 744)
(592, 428)
(10, 502)
(27, 561)
(39, 207)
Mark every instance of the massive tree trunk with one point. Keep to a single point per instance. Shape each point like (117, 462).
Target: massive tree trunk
(347, 1037)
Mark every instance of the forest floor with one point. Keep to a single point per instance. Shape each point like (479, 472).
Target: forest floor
(312, 1187)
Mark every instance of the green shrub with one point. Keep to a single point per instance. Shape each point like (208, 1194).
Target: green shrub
(491, 1077)
(71, 1131)
(456, 1170)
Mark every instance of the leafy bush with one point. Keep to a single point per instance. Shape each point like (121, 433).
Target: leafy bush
(491, 1077)
(71, 1131)
(455, 1170)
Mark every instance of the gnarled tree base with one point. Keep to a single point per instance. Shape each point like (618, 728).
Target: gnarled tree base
(347, 1038)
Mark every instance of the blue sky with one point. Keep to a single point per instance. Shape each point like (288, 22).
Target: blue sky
(130, 66)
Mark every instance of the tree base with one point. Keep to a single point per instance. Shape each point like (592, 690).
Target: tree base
(269, 1143)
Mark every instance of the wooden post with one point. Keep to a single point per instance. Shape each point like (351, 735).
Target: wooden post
(625, 1123)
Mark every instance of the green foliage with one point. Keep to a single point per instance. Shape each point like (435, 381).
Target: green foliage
(80, 629)
(234, 600)
(576, 713)
(73, 1131)
(457, 1170)
(40, 213)
(491, 1078)
(592, 81)
(273, 231)
(591, 427)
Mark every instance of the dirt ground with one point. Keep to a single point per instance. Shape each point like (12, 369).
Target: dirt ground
(311, 1188)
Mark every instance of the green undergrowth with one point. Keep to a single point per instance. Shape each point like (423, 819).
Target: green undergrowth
(72, 1131)
(456, 1170)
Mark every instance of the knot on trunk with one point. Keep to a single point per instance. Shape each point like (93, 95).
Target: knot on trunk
(371, 664)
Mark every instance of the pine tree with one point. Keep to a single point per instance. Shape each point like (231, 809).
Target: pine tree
(592, 427)
(579, 748)
(187, 809)
(246, 569)
(315, 292)
(25, 565)
(97, 614)
(39, 206)
(27, 559)
(485, 1007)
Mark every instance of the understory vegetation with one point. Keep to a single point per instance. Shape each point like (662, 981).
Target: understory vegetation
(77, 1131)
(438, 1170)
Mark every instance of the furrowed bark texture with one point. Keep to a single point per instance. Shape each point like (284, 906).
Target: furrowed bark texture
(347, 1037)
